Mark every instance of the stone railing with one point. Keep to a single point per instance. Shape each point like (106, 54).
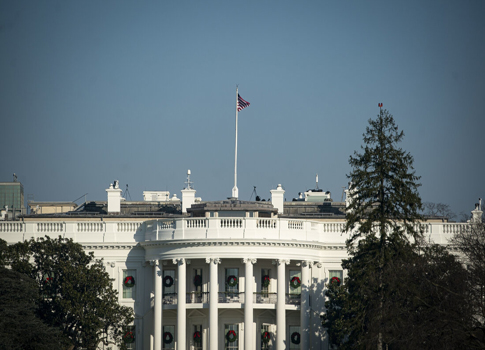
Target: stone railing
(265, 298)
(231, 297)
(12, 226)
(293, 299)
(94, 231)
(81, 231)
(197, 297)
(169, 299)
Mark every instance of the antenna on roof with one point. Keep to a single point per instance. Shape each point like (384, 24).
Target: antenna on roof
(127, 192)
(14, 177)
(188, 182)
(343, 191)
(257, 198)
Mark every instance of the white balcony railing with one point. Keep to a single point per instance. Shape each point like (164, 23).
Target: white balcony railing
(94, 231)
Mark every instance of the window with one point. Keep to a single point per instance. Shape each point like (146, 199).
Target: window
(234, 329)
(129, 338)
(198, 280)
(295, 337)
(195, 337)
(168, 338)
(168, 282)
(232, 280)
(129, 292)
(336, 273)
(295, 274)
(197, 295)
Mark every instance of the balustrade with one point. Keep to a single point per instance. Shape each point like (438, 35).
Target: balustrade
(90, 227)
(170, 298)
(195, 223)
(293, 299)
(50, 227)
(11, 227)
(295, 225)
(231, 297)
(266, 223)
(128, 226)
(169, 224)
(231, 223)
(452, 228)
(197, 297)
(265, 298)
(333, 227)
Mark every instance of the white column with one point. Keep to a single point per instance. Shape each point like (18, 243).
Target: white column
(213, 303)
(281, 305)
(181, 303)
(157, 308)
(305, 305)
(249, 342)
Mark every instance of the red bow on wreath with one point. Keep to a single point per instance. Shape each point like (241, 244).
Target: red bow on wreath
(335, 280)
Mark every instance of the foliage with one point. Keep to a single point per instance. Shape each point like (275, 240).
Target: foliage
(383, 184)
(383, 210)
(424, 305)
(76, 293)
(470, 242)
(20, 328)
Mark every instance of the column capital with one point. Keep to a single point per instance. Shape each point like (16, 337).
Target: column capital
(213, 260)
(281, 261)
(249, 260)
(179, 261)
(307, 263)
(155, 262)
(318, 264)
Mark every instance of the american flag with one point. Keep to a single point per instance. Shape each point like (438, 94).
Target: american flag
(241, 103)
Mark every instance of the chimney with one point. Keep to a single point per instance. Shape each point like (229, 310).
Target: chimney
(477, 213)
(277, 198)
(114, 197)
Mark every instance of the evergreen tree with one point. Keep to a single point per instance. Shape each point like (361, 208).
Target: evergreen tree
(470, 242)
(384, 188)
(76, 293)
(384, 208)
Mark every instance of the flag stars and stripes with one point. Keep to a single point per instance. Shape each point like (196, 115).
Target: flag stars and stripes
(241, 103)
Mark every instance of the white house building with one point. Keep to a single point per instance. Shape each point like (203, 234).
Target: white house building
(227, 274)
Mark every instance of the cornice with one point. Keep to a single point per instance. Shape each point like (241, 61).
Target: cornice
(243, 243)
(109, 246)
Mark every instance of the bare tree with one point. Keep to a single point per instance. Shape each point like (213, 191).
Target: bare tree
(438, 209)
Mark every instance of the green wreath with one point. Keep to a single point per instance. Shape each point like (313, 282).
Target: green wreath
(129, 337)
(232, 281)
(167, 337)
(168, 281)
(129, 281)
(231, 336)
(266, 281)
(295, 282)
(295, 338)
(197, 337)
(197, 280)
(335, 280)
(266, 336)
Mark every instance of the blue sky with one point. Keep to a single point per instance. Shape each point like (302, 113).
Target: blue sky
(92, 91)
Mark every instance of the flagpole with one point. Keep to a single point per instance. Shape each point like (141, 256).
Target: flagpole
(235, 191)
